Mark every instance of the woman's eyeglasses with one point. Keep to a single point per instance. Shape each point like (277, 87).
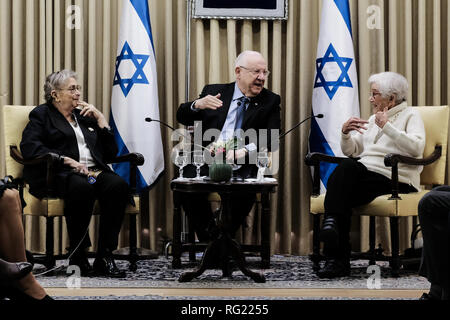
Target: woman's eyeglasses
(73, 89)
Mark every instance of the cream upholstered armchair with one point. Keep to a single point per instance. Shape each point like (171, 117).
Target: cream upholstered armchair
(394, 205)
(15, 118)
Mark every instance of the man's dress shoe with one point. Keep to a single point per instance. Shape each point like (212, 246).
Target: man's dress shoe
(83, 264)
(106, 267)
(334, 268)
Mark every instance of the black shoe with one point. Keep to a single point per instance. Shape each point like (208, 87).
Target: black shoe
(106, 267)
(334, 268)
(14, 270)
(329, 233)
(428, 296)
(83, 263)
(14, 294)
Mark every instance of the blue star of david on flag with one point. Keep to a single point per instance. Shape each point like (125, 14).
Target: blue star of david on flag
(343, 63)
(139, 61)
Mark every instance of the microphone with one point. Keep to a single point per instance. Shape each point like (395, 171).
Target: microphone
(320, 115)
(148, 119)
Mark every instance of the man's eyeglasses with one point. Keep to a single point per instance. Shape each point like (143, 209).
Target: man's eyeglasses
(73, 88)
(257, 72)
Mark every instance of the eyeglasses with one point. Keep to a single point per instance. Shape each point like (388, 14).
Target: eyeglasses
(257, 72)
(374, 94)
(73, 88)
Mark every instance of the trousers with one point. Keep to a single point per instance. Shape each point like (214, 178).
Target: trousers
(351, 185)
(112, 192)
(198, 209)
(434, 217)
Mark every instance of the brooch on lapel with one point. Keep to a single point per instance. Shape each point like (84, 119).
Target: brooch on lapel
(91, 129)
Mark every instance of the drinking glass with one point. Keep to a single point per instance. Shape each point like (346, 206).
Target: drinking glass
(199, 160)
(181, 161)
(262, 162)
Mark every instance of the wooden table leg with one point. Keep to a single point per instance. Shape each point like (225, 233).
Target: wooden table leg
(265, 230)
(231, 245)
(176, 245)
(225, 245)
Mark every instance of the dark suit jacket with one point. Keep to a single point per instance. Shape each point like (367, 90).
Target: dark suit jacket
(263, 111)
(48, 131)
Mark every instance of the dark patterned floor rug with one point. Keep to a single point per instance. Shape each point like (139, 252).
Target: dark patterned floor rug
(284, 272)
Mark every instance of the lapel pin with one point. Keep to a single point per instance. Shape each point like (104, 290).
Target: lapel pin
(91, 129)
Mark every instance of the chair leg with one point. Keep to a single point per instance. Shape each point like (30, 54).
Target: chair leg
(49, 244)
(315, 257)
(133, 243)
(395, 259)
(372, 259)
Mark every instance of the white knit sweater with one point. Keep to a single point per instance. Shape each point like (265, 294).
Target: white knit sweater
(404, 134)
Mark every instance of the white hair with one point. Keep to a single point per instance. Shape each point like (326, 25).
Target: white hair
(243, 56)
(391, 83)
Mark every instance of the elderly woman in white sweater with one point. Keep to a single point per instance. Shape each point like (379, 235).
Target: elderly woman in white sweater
(393, 128)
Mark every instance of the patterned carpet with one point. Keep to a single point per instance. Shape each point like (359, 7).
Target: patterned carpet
(285, 272)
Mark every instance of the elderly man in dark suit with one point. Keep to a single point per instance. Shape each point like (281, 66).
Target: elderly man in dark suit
(244, 104)
(80, 135)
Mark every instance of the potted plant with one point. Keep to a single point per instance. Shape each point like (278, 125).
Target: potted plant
(221, 170)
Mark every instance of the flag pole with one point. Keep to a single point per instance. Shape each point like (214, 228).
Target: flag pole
(188, 48)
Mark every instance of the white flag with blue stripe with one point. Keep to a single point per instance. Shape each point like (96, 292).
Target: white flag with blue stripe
(135, 94)
(335, 93)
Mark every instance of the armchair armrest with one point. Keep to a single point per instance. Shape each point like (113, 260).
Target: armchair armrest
(314, 159)
(135, 159)
(51, 159)
(392, 160)
(17, 156)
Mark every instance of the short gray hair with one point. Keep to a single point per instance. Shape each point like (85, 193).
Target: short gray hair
(391, 83)
(56, 80)
(242, 57)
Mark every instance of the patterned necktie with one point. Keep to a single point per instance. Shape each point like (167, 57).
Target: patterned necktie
(242, 103)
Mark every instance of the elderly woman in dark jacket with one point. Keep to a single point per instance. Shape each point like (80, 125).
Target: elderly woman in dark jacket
(80, 135)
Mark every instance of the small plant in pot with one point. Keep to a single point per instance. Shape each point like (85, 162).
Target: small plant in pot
(221, 170)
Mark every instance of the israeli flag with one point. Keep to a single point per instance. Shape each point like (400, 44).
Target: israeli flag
(335, 93)
(135, 94)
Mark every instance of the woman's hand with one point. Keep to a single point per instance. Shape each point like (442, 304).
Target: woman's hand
(90, 111)
(381, 118)
(354, 123)
(76, 166)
